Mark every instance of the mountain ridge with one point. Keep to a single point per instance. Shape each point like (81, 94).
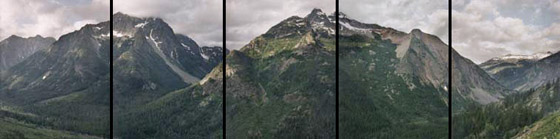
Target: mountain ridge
(15, 49)
(524, 72)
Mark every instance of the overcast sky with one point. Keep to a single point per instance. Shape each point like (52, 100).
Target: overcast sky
(202, 20)
(49, 18)
(483, 29)
(430, 16)
(247, 19)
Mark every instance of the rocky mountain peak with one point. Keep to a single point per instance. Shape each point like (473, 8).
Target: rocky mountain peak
(416, 32)
(13, 37)
(535, 56)
(316, 13)
(15, 49)
(552, 58)
(36, 38)
(342, 15)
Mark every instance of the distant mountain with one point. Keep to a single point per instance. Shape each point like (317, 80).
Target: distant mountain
(166, 86)
(66, 85)
(524, 72)
(507, 69)
(212, 55)
(282, 84)
(472, 85)
(392, 84)
(15, 49)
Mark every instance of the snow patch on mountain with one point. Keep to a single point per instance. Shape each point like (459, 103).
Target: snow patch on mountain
(119, 34)
(350, 27)
(321, 26)
(187, 78)
(141, 25)
(186, 46)
(204, 56)
(105, 35)
(536, 56)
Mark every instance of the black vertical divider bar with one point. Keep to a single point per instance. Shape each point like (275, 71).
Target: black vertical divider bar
(449, 66)
(337, 67)
(224, 54)
(111, 73)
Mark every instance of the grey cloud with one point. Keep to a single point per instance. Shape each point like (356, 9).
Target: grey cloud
(202, 20)
(51, 18)
(247, 19)
(427, 15)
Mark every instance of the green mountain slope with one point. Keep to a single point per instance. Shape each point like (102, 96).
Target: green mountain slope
(192, 112)
(379, 99)
(517, 114)
(281, 85)
(548, 127)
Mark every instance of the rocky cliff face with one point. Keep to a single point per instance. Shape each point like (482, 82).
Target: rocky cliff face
(151, 60)
(472, 84)
(165, 79)
(421, 55)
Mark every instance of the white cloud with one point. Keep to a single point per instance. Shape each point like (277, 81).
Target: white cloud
(555, 6)
(82, 23)
(247, 19)
(427, 15)
(51, 18)
(202, 20)
(481, 7)
(481, 31)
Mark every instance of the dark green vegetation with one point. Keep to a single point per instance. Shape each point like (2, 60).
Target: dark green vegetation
(547, 127)
(282, 84)
(376, 102)
(17, 130)
(62, 87)
(517, 115)
(163, 86)
(193, 112)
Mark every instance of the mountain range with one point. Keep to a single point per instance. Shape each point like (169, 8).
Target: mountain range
(524, 72)
(63, 85)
